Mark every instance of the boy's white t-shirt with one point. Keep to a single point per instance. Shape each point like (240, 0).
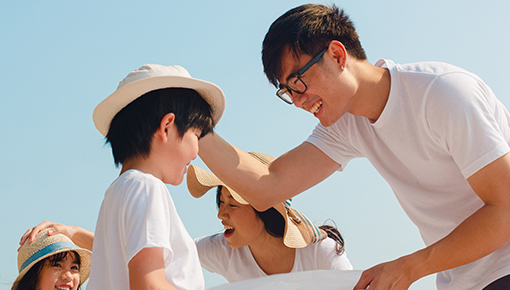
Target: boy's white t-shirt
(138, 212)
(441, 124)
(216, 256)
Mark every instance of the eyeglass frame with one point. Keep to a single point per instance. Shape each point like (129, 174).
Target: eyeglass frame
(283, 89)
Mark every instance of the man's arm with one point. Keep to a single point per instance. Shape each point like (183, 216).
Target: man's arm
(264, 186)
(147, 270)
(482, 233)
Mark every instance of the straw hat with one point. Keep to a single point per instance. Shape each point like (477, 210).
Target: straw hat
(45, 246)
(299, 230)
(152, 77)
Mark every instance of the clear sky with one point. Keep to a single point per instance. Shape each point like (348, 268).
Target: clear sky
(59, 59)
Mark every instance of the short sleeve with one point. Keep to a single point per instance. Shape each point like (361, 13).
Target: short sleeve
(146, 218)
(328, 259)
(333, 142)
(462, 114)
(212, 253)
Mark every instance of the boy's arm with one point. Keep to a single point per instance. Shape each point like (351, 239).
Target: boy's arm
(81, 237)
(261, 185)
(147, 270)
(482, 233)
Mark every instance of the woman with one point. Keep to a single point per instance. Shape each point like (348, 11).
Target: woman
(51, 262)
(256, 244)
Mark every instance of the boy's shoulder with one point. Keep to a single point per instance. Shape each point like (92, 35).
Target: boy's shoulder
(134, 182)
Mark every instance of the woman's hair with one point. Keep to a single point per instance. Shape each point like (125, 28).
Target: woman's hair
(274, 223)
(31, 277)
(334, 233)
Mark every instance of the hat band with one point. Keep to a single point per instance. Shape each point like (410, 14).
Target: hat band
(45, 251)
(316, 235)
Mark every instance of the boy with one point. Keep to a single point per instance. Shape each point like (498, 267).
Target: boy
(153, 122)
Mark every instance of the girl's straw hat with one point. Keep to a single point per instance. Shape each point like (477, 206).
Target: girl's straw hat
(299, 230)
(45, 246)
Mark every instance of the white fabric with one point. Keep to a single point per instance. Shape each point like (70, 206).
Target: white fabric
(308, 280)
(217, 256)
(138, 212)
(441, 124)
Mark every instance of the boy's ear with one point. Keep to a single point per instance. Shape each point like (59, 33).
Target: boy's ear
(165, 126)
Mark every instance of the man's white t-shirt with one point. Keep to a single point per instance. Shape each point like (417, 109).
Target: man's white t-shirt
(216, 256)
(441, 124)
(138, 212)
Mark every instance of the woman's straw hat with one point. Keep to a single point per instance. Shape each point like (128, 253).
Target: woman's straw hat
(299, 230)
(45, 246)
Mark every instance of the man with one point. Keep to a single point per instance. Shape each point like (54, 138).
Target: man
(435, 132)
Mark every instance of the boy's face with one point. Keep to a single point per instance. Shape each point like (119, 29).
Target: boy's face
(179, 153)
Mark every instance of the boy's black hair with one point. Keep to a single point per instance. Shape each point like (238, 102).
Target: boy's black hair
(132, 129)
(308, 29)
(31, 277)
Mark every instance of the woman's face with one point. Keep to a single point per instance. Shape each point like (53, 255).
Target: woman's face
(242, 225)
(63, 274)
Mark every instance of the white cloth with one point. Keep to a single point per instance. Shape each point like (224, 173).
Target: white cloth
(138, 212)
(440, 125)
(217, 256)
(307, 280)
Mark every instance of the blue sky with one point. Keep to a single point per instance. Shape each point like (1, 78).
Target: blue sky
(59, 59)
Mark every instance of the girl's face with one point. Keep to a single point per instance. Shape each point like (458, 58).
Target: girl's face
(61, 274)
(242, 225)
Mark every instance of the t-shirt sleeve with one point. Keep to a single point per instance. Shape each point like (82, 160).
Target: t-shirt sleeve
(146, 218)
(212, 253)
(328, 259)
(465, 119)
(333, 142)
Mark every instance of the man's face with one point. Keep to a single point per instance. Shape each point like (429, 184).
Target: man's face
(327, 95)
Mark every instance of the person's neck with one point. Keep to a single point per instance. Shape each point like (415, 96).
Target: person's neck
(272, 256)
(374, 89)
(141, 164)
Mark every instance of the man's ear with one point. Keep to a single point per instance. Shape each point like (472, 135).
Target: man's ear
(166, 124)
(339, 53)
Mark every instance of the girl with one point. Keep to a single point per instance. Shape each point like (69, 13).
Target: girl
(51, 262)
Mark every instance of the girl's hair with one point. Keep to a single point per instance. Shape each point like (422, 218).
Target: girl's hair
(274, 223)
(31, 277)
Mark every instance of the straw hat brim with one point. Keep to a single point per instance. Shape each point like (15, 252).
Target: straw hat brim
(108, 108)
(299, 230)
(200, 181)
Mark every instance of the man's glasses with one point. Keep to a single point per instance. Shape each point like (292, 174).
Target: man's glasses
(295, 83)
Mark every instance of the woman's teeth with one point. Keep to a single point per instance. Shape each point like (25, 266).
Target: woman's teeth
(316, 107)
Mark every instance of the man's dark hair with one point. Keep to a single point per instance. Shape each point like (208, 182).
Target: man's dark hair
(132, 129)
(307, 29)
